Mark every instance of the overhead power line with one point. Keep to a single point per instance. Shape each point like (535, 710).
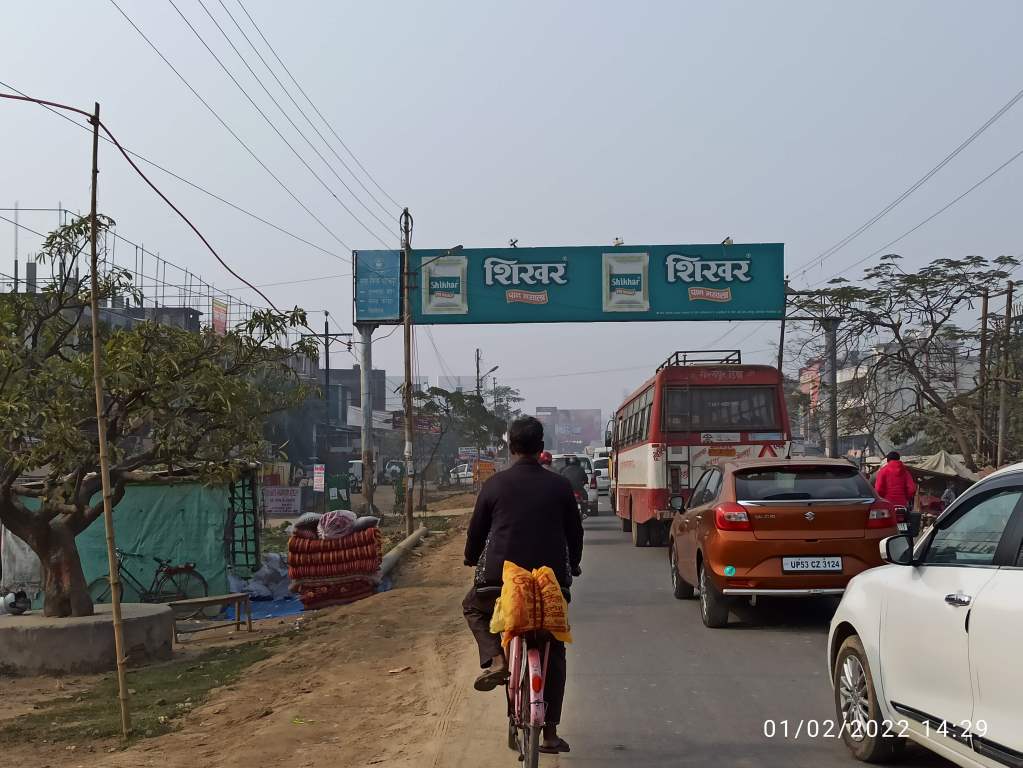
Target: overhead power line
(230, 130)
(149, 183)
(315, 108)
(287, 92)
(287, 117)
(827, 253)
(273, 127)
(192, 184)
(930, 218)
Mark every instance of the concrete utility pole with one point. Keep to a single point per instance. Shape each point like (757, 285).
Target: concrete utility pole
(1003, 389)
(406, 232)
(365, 369)
(831, 352)
(982, 381)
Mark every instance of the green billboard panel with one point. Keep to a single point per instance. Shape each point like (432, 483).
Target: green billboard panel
(597, 283)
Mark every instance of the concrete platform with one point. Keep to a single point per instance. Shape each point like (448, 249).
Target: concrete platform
(34, 644)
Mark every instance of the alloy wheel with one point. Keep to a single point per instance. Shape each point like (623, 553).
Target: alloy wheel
(854, 697)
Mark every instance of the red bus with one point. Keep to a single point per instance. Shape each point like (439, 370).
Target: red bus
(698, 409)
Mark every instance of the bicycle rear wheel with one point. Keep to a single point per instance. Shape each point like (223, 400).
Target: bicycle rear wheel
(529, 741)
(182, 585)
(99, 589)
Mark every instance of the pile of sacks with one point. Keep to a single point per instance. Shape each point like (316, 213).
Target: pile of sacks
(334, 558)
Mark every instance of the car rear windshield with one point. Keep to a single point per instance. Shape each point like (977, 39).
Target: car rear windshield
(600, 464)
(801, 483)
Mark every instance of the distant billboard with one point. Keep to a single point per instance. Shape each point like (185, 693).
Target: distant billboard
(576, 284)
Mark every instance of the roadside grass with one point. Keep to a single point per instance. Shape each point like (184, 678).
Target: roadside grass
(160, 695)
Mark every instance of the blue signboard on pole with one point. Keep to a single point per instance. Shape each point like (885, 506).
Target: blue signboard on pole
(377, 286)
(589, 283)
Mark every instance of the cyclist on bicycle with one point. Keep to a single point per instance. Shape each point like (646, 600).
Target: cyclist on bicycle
(529, 516)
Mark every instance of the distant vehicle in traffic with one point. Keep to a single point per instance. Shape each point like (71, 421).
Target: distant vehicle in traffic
(558, 464)
(931, 642)
(775, 527)
(461, 475)
(601, 468)
(699, 409)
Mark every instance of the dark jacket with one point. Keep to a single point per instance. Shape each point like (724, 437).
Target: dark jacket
(529, 516)
(576, 475)
(894, 484)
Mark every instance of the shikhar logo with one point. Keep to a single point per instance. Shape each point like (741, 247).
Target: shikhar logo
(445, 287)
(626, 285)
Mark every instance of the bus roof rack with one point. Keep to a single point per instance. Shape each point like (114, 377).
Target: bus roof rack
(703, 357)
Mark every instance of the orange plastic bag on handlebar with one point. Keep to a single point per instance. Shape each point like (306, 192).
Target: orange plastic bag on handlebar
(530, 601)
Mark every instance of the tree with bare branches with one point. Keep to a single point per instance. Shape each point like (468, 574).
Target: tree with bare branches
(901, 332)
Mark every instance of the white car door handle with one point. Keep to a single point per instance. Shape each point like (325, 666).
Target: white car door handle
(958, 599)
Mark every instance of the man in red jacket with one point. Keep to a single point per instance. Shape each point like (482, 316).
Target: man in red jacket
(894, 484)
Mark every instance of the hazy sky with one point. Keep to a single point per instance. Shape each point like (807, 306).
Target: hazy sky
(557, 123)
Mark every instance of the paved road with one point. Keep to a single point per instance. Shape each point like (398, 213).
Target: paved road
(650, 686)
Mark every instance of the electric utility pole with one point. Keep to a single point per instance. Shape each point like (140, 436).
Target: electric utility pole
(982, 441)
(327, 337)
(406, 292)
(1003, 389)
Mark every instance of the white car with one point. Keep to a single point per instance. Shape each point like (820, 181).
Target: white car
(558, 464)
(928, 647)
(461, 475)
(600, 467)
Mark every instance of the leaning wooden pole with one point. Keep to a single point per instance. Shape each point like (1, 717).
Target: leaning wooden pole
(101, 428)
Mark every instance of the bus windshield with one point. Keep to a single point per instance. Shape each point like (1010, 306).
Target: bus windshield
(726, 409)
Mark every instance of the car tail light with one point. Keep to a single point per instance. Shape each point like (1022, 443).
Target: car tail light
(731, 517)
(593, 482)
(900, 514)
(881, 517)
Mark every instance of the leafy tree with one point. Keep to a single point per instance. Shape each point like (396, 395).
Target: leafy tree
(901, 328)
(173, 399)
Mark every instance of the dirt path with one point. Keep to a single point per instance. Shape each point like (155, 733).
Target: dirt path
(386, 682)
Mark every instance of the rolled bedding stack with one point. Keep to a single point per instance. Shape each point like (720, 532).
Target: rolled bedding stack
(334, 559)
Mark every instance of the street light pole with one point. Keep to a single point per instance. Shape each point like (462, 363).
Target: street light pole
(406, 232)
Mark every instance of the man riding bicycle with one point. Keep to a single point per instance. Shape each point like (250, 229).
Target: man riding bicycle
(528, 516)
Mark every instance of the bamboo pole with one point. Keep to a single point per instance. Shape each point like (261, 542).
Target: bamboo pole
(101, 428)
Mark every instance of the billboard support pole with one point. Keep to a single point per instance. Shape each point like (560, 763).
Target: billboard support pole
(406, 295)
(365, 375)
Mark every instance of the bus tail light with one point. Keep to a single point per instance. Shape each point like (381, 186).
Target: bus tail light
(731, 517)
(881, 517)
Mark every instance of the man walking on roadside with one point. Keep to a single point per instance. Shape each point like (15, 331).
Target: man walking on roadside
(528, 516)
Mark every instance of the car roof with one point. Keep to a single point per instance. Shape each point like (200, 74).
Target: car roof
(808, 461)
(1003, 471)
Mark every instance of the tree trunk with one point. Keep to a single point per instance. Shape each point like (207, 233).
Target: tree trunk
(65, 592)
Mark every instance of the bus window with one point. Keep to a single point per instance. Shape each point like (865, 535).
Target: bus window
(704, 409)
(676, 409)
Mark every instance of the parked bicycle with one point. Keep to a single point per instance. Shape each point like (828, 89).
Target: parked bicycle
(170, 583)
(527, 711)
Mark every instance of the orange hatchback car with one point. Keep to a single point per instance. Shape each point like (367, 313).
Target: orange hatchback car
(775, 527)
